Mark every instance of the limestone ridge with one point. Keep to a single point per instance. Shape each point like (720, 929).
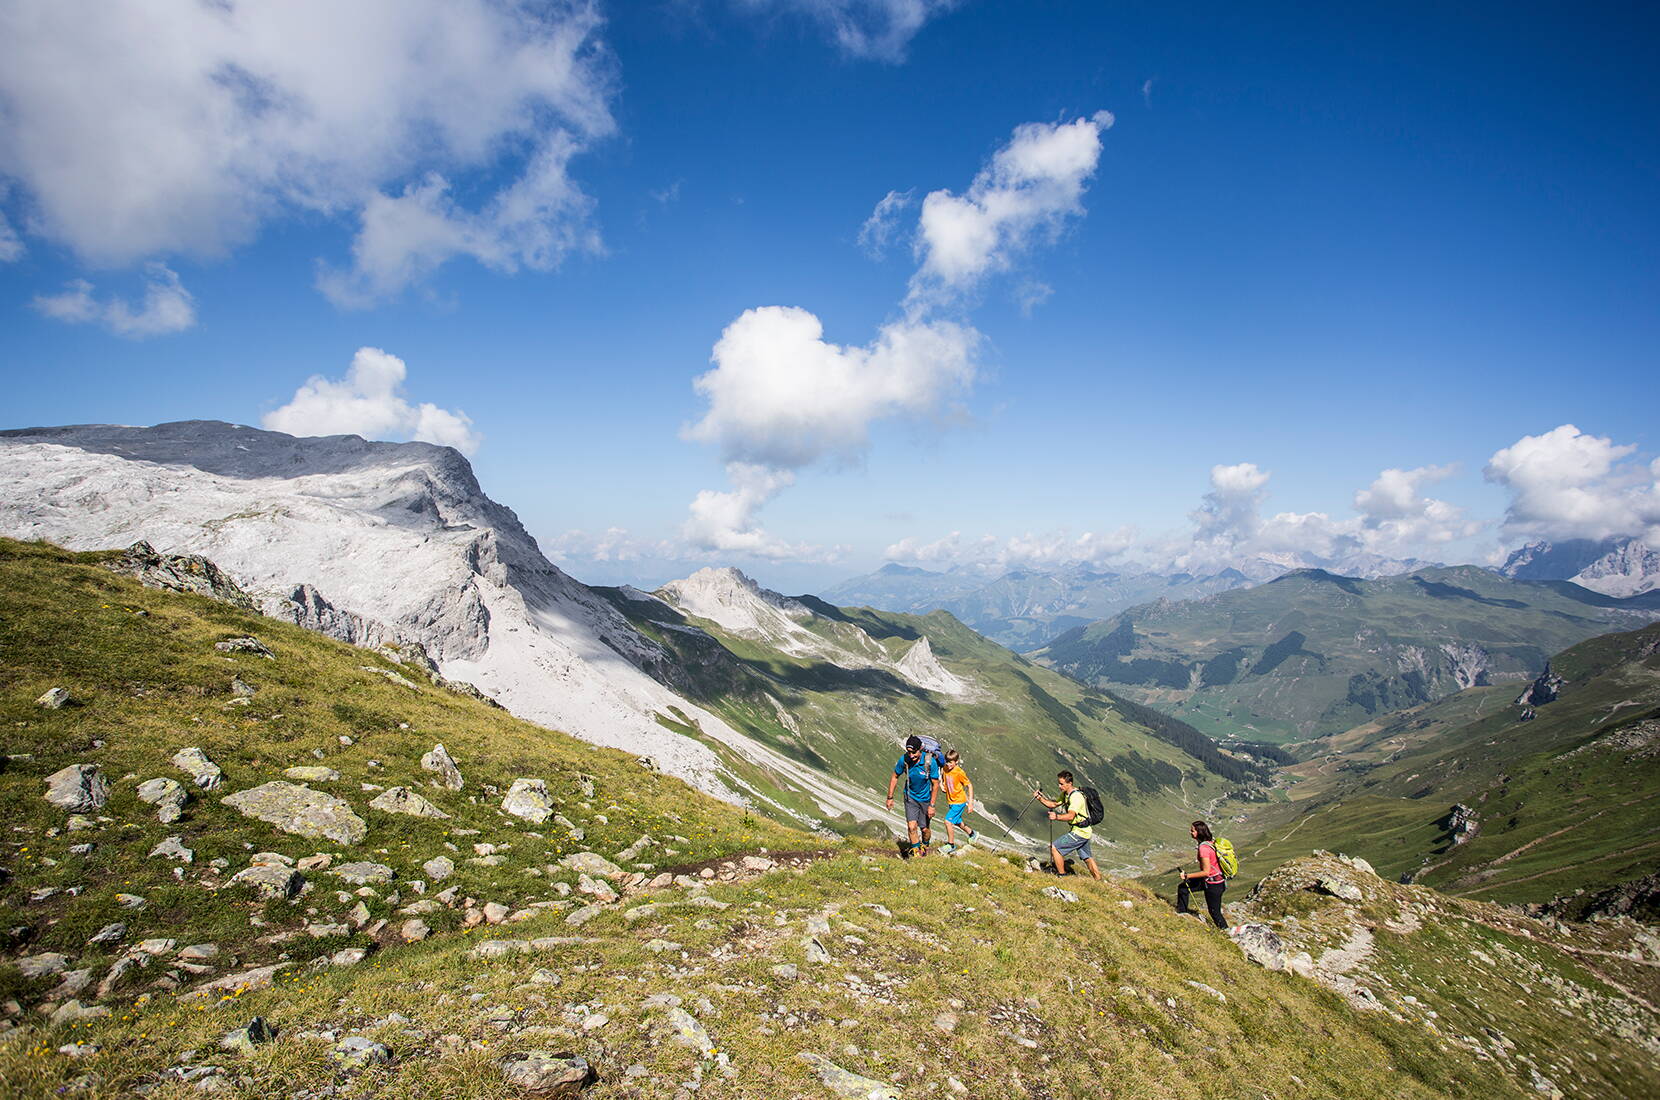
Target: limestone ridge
(375, 543)
(1614, 567)
(737, 604)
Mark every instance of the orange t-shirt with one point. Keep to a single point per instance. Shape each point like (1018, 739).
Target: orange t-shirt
(956, 782)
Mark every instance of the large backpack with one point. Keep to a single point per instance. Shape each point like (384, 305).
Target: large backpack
(1093, 807)
(1225, 857)
(931, 747)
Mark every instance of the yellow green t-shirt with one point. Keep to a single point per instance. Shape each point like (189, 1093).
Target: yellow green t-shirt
(956, 781)
(1077, 804)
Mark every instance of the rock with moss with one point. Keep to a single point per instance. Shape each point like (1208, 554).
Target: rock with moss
(168, 796)
(445, 772)
(245, 645)
(402, 800)
(202, 771)
(55, 699)
(270, 880)
(78, 788)
(846, 1083)
(529, 799)
(300, 811)
(540, 1074)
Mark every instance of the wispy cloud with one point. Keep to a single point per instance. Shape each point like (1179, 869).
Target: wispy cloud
(166, 307)
(871, 29)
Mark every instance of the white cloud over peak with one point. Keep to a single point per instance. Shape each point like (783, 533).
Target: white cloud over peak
(370, 402)
(1568, 484)
(1026, 194)
(783, 397)
(725, 521)
(167, 306)
(138, 130)
(874, 29)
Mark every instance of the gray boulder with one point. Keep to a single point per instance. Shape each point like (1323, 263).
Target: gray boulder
(1261, 944)
(168, 796)
(845, 1083)
(300, 811)
(270, 880)
(173, 848)
(245, 645)
(363, 873)
(529, 799)
(202, 771)
(538, 1073)
(78, 788)
(445, 772)
(312, 773)
(55, 699)
(402, 800)
(357, 1051)
(439, 869)
(591, 863)
(1339, 888)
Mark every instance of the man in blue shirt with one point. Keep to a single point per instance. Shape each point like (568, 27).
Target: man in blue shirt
(922, 785)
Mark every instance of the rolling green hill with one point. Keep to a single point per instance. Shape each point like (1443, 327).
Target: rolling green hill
(480, 954)
(1312, 653)
(1567, 800)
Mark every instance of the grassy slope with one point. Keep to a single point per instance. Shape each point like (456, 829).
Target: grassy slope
(1300, 656)
(1096, 991)
(1027, 723)
(1550, 823)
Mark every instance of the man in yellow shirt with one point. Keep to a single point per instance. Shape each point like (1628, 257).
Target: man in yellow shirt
(959, 791)
(1076, 842)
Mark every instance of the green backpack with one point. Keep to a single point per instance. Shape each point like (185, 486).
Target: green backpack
(1225, 856)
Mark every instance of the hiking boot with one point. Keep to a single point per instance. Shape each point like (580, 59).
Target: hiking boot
(948, 849)
(921, 849)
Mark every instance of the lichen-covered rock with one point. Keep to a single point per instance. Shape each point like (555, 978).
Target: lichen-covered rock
(312, 773)
(685, 1030)
(439, 868)
(300, 811)
(173, 848)
(202, 771)
(845, 1083)
(445, 772)
(538, 1073)
(591, 863)
(1261, 944)
(55, 699)
(402, 800)
(529, 799)
(357, 1051)
(78, 788)
(363, 873)
(245, 645)
(1339, 888)
(168, 796)
(180, 573)
(270, 880)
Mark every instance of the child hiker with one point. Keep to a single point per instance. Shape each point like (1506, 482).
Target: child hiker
(959, 799)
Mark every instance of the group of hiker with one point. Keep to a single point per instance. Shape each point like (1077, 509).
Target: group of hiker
(926, 770)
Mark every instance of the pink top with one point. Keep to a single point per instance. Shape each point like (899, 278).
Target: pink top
(1209, 864)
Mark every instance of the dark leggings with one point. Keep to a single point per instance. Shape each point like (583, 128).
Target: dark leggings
(1213, 900)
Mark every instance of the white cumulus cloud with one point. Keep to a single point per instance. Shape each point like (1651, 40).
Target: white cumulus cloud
(1026, 194)
(370, 402)
(166, 307)
(1570, 484)
(876, 29)
(139, 130)
(783, 397)
(725, 521)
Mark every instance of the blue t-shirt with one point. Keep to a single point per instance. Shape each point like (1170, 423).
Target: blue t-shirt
(917, 777)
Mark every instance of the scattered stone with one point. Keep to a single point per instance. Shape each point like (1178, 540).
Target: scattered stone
(242, 689)
(199, 952)
(787, 971)
(946, 1022)
(1059, 894)
(246, 1038)
(55, 699)
(168, 796)
(47, 964)
(414, 930)
(327, 931)
(78, 788)
(598, 889)
(446, 774)
(757, 863)
(73, 1010)
(270, 880)
(357, 1051)
(312, 773)
(301, 811)
(818, 924)
(495, 912)
(349, 956)
(846, 1084)
(110, 933)
(402, 800)
(685, 1030)
(74, 981)
(129, 901)
(816, 952)
(123, 966)
(156, 946)
(439, 869)
(202, 771)
(245, 645)
(318, 862)
(591, 863)
(257, 978)
(363, 873)
(1261, 944)
(529, 799)
(632, 852)
(576, 831)
(538, 1073)
(1338, 888)
(1203, 988)
(173, 848)
(1358, 864)
(584, 915)
(81, 849)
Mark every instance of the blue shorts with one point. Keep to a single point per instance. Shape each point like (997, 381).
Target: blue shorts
(954, 813)
(1072, 845)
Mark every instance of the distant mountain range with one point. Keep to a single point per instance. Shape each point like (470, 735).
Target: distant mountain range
(1617, 566)
(1313, 653)
(1024, 609)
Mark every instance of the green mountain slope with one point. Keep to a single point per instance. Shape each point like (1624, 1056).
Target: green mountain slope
(1015, 722)
(1567, 800)
(739, 959)
(1312, 653)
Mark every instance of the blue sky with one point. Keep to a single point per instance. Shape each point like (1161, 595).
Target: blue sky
(1305, 248)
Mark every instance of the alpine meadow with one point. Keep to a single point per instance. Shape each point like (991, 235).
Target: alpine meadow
(828, 550)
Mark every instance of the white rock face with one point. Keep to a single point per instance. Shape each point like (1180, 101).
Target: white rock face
(396, 541)
(1628, 570)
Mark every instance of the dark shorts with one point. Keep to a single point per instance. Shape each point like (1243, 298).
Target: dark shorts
(1073, 846)
(916, 812)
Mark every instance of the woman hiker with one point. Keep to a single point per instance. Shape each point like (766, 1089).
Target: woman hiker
(1209, 875)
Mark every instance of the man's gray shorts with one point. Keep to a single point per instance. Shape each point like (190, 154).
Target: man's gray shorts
(916, 812)
(1072, 846)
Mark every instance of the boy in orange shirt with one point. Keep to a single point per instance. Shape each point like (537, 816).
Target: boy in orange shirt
(959, 799)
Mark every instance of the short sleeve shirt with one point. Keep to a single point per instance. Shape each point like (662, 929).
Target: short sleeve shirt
(1210, 864)
(956, 782)
(918, 778)
(1076, 803)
